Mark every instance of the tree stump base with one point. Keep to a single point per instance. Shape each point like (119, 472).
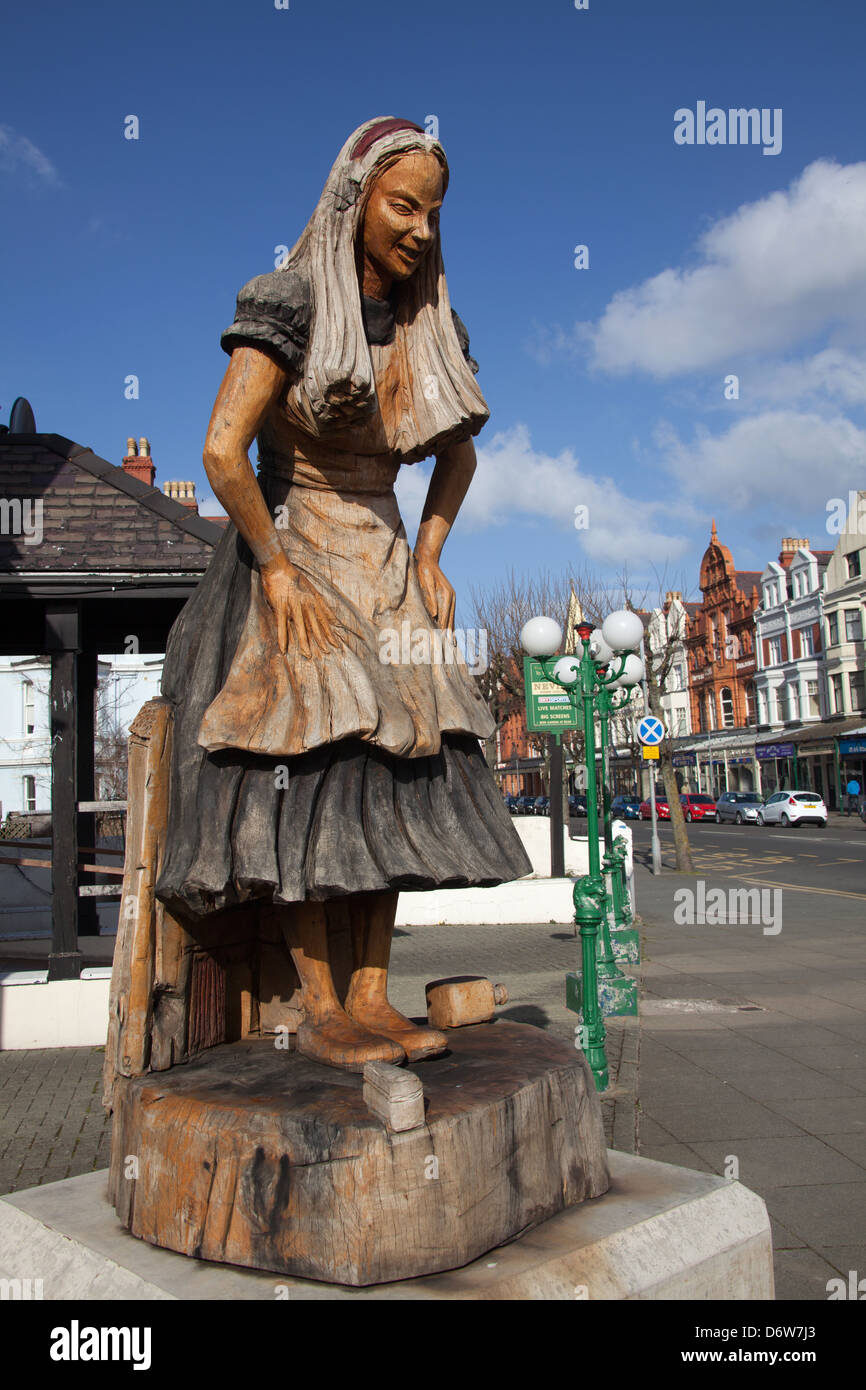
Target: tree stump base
(255, 1156)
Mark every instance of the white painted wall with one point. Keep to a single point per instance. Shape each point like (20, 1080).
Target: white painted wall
(64, 1013)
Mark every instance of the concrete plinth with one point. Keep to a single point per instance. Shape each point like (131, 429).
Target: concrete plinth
(660, 1232)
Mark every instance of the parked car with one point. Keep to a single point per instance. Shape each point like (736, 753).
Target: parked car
(577, 805)
(698, 806)
(625, 807)
(511, 804)
(740, 807)
(524, 805)
(663, 810)
(793, 808)
(541, 806)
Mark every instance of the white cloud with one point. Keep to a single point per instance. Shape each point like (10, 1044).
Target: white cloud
(516, 482)
(20, 155)
(774, 273)
(784, 458)
(832, 376)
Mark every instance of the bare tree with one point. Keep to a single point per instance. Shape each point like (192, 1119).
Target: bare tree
(110, 747)
(501, 610)
(663, 641)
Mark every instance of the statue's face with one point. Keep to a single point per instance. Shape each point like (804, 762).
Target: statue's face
(402, 214)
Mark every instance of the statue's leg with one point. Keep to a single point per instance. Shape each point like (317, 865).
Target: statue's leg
(367, 1001)
(327, 1033)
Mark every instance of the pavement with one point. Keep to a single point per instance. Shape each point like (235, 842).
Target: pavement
(749, 1058)
(753, 1040)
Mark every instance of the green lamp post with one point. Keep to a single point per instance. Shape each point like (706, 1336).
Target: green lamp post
(608, 659)
(614, 856)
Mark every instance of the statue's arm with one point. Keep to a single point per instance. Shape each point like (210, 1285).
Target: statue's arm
(251, 385)
(448, 487)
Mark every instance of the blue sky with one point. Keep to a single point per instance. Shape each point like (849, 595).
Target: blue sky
(606, 385)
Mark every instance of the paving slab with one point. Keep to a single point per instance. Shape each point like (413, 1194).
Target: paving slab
(822, 1214)
(802, 1275)
(795, 1160)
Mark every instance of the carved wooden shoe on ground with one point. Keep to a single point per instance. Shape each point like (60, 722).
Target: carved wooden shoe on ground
(379, 1016)
(343, 1042)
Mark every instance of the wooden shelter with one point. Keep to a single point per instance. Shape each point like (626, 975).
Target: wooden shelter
(90, 555)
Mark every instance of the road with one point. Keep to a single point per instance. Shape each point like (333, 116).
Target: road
(829, 861)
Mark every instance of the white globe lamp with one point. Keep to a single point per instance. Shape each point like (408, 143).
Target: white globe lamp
(567, 670)
(599, 649)
(622, 630)
(633, 672)
(541, 637)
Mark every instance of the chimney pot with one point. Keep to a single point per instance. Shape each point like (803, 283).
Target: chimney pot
(138, 463)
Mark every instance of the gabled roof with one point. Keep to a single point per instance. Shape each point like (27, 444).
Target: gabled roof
(95, 516)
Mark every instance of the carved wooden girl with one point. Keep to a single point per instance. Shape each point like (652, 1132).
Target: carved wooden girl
(308, 770)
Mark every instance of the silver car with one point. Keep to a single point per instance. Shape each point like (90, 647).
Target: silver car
(740, 807)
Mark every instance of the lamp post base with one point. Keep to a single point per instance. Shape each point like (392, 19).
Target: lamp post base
(617, 997)
(626, 946)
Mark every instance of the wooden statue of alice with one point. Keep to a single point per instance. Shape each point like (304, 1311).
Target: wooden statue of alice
(308, 763)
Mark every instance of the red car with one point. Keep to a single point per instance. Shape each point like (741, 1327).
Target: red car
(698, 806)
(663, 810)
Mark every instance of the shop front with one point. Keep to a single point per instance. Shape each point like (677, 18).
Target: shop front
(779, 768)
(852, 763)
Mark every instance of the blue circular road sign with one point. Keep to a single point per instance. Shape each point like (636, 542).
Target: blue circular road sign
(650, 731)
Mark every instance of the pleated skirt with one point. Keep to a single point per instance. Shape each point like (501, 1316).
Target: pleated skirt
(344, 818)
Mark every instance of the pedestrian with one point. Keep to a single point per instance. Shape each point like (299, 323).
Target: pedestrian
(853, 790)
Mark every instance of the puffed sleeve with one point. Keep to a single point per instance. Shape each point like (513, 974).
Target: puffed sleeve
(463, 339)
(273, 314)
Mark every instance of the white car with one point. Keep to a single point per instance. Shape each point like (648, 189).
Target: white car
(793, 808)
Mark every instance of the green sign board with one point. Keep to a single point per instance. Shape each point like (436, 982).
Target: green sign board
(548, 707)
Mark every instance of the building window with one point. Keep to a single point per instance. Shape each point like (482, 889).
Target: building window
(792, 703)
(29, 793)
(775, 651)
(857, 689)
(807, 641)
(727, 699)
(853, 625)
(852, 562)
(750, 702)
(836, 688)
(711, 711)
(832, 629)
(29, 710)
(813, 701)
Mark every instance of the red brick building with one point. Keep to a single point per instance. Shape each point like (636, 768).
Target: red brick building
(720, 643)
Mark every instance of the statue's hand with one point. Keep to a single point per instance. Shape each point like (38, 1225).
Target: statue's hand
(436, 592)
(300, 611)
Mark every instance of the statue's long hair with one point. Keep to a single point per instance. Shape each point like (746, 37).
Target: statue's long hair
(435, 398)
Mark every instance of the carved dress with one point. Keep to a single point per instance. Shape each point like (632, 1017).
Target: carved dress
(356, 770)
